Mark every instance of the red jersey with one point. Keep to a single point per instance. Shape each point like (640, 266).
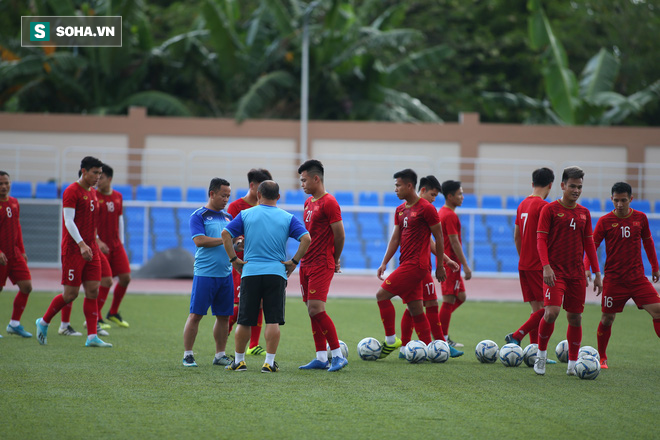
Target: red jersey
(451, 225)
(527, 220)
(567, 230)
(415, 228)
(11, 235)
(623, 237)
(234, 209)
(86, 219)
(110, 208)
(319, 215)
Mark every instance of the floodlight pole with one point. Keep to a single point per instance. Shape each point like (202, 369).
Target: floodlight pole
(304, 82)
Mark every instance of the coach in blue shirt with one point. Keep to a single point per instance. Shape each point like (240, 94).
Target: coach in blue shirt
(213, 285)
(264, 272)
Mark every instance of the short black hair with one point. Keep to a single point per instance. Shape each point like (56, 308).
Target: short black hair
(269, 189)
(572, 173)
(430, 183)
(622, 187)
(258, 175)
(542, 177)
(216, 184)
(107, 170)
(450, 187)
(4, 173)
(313, 167)
(90, 162)
(407, 175)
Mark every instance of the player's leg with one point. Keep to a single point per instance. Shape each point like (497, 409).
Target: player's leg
(104, 288)
(388, 317)
(430, 298)
(531, 285)
(320, 362)
(91, 311)
(421, 324)
(552, 300)
(406, 330)
(222, 308)
(200, 301)
(248, 308)
(122, 270)
(237, 289)
(574, 298)
(274, 300)
(603, 336)
(20, 300)
(654, 311)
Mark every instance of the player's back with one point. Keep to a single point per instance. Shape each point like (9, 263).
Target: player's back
(451, 225)
(9, 226)
(110, 208)
(527, 219)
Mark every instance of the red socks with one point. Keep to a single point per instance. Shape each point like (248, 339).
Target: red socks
(406, 327)
(545, 331)
(100, 300)
(387, 315)
(445, 317)
(603, 335)
(55, 306)
(433, 318)
(91, 311)
(574, 337)
(19, 305)
(117, 296)
(317, 333)
(255, 331)
(422, 328)
(532, 324)
(457, 304)
(656, 326)
(328, 330)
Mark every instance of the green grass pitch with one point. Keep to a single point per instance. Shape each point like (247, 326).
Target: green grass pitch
(139, 389)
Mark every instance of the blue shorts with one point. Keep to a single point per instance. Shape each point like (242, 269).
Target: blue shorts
(214, 292)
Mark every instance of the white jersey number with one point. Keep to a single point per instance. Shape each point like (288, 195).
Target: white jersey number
(91, 205)
(9, 213)
(523, 216)
(608, 301)
(405, 222)
(111, 206)
(309, 217)
(625, 231)
(572, 224)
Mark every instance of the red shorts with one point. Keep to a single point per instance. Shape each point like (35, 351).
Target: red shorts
(428, 288)
(16, 270)
(236, 275)
(531, 284)
(315, 282)
(106, 270)
(406, 282)
(76, 270)
(569, 291)
(118, 261)
(616, 295)
(453, 284)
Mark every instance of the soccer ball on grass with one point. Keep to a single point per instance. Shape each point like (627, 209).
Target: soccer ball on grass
(369, 349)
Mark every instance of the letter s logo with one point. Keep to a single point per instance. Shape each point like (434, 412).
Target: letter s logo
(40, 31)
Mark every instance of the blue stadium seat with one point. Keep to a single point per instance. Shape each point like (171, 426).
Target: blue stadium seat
(641, 205)
(21, 190)
(146, 193)
(350, 225)
(374, 231)
(480, 234)
(126, 191)
(238, 193)
(491, 202)
(439, 201)
(512, 202)
(507, 255)
(63, 187)
(368, 198)
(501, 234)
(493, 220)
(469, 201)
(163, 242)
(485, 249)
(171, 194)
(507, 265)
(592, 204)
(345, 198)
(485, 263)
(46, 190)
(391, 199)
(656, 206)
(374, 258)
(196, 194)
(352, 246)
(654, 225)
(295, 197)
(353, 260)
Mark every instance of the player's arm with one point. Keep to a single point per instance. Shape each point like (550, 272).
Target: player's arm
(599, 236)
(305, 241)
(436, 231)
(208, 242)
(590, 250)
(542, 247)
(69, 215)
(340, 237)
(101, 244)
(392, 246)
(228, 244)
(19, 238)
(121, 229)
(458, 251)
(517, 239)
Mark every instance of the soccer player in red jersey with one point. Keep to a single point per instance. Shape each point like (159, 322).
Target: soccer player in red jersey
(453, 288)
(322, 217)
(255, 177)
(529, 265)
(623, 230)
(429, 188)
(13, 260)
(564, 234)
(111, 244)
(81, 263)
(414, 222)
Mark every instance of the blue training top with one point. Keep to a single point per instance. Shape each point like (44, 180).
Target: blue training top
(210, 261)
(266, 230)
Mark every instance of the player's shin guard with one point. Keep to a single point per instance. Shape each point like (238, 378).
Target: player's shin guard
(603, 336)
(574, 337)
(422, 328)
(388, 316)
(117, 297)
(445, 317)
(255, 331)
(529, 326)
(317, 333)
(19, 305)
(328, 328)
(66, 312)
(54, 308)
(103, 295)
(406, 327)
(91, 311)
(433, 316)
(656, 326)
(545, 331)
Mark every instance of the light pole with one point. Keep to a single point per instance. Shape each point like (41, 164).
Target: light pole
(304, 81)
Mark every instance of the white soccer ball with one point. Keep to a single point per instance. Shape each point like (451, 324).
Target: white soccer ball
(530, 354)
(342, 345)
(415, 352)
(369, 349)
(562, 351)
(438, 351)
(486, 351)
(587, 367)
(588, 350)
(511, 355)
